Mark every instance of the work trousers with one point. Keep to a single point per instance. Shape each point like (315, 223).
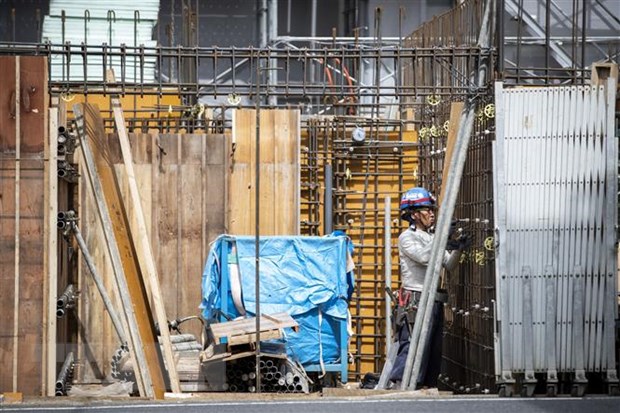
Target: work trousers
(431, 360)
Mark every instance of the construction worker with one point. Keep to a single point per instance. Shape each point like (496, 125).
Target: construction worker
(417, 207)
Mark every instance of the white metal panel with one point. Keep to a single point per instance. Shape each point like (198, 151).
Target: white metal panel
(555, 213)
(112, 22)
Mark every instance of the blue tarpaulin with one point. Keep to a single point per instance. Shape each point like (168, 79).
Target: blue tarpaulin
(305, 277)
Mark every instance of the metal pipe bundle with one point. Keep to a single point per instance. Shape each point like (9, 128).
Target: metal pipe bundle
(275, 375)
(63, 380)
(65, 301)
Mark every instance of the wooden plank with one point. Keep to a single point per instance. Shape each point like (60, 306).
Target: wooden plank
(143, 341)
(7, 265)
(12, 397)
(22, 266)
(142, 243)
(248, 326)
(166, 228)
(7, 104)
(179, 218)
(191, 225)
(217, 155)
(279, 173)
(251, 337)
(286, 171)
(67, 268)
(35, 101)
(241, 195)
(33, 119)
(17, 212)
(455, 117)
(154, 161)
(51, 251)
(269, 205)
(7, 222)
(158, 175)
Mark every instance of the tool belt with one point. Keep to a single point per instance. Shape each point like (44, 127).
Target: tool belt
(406, 309)
(407, 306)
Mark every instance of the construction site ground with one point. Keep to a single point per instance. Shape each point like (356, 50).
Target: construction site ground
(341, 400)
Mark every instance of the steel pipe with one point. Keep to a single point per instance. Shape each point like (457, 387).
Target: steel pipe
(116, 321)
(64, 375)
(65, 301)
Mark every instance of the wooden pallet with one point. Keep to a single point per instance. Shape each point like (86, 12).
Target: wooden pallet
(244, 331)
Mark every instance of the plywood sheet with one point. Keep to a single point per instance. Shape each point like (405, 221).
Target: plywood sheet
(278, 173)
(139, 317)
(182, 181)
(22, 216)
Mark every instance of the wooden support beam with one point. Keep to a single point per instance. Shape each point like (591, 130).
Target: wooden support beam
(51, 252)
(141, 241)
(23, 100)
(141, 328)
(278, 169)
(455, 118)
(17, 205)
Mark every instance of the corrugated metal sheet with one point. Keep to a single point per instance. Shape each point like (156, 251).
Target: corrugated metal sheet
(119, 29)
(124, 9)
(555, 180)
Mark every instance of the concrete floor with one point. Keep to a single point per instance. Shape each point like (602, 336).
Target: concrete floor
(333, 401)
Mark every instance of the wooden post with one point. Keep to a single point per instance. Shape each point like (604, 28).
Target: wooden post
(142, 243)
(17, 179)
(51, 252)
(455, 118)
(144, 353)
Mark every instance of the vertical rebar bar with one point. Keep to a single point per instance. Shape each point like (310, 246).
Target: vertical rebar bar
(257, 226)
(328, 226)
(388, 272)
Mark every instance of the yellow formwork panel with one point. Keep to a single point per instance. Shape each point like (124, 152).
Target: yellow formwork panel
(147, 106)
(370, 290)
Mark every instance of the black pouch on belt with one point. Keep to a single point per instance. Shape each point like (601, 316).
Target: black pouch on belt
(441, 295)
(411, 312)
(400, 317)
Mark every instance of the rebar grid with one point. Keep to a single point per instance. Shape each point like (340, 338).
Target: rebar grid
(231, 72)
(468, 336)
(363, 175)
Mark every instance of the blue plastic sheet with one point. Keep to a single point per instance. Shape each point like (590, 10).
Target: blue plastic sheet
(304, 276)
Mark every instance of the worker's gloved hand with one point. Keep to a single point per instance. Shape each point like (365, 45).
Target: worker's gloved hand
(453, 227)
(453, 245)
(464, 241)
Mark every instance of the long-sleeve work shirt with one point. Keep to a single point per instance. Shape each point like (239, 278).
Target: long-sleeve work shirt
(414, 249)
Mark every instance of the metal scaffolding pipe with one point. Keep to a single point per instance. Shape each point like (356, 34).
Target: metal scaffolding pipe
(272, 34)
(65, 301)
(262, 23)
(116, 321)
(388, 272)
(313, 34)
(64, 375)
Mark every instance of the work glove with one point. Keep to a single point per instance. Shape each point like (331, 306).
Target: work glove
(462, 242)
(453, 227)
(465, 241)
